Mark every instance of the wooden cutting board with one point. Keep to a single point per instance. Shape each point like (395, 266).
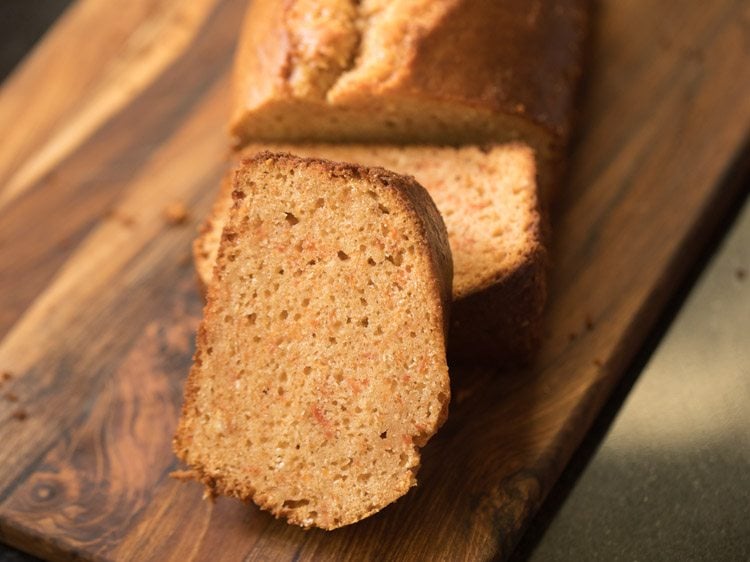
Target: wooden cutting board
(120, 112)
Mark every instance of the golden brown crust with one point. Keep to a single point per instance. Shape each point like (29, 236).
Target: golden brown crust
(520, 57)
(261, 56)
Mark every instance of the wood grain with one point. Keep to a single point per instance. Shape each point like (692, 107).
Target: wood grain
(98, 302)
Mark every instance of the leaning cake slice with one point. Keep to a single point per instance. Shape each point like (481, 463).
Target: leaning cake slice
(320, 365)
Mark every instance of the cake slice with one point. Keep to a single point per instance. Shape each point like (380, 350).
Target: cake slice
(490, 203)
(320, 365)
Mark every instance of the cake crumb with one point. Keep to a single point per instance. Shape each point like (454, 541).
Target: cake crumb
(20, 414)
(589, 323)
(183, 475)
(123, 218)
(11, 397)
(740, 273)
(6, 376)
(176, 213)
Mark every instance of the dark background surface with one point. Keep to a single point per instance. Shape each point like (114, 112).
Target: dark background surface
(22, 24)
(625, 495)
